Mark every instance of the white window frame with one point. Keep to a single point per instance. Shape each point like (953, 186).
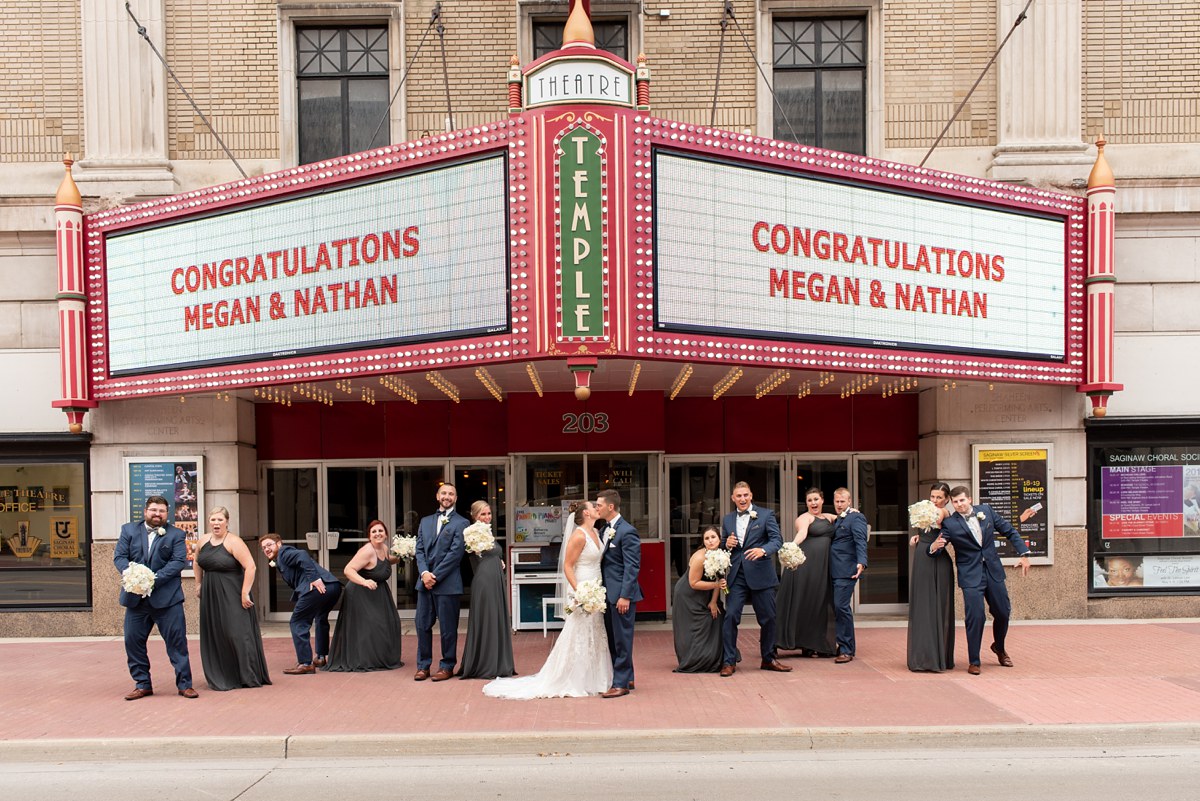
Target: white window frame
(292, 15)
(792, 9)
(601, 10)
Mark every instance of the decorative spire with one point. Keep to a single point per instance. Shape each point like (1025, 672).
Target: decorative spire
(1102, 174)
(578, 30)
(68, 192)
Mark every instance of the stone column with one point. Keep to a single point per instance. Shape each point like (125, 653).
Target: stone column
(124, 100)
(1040, 94)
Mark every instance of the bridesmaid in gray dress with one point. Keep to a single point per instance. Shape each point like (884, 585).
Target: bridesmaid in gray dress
(696, 614)
(931, 598)
(805, 601)
(367, 636)
(488, 653)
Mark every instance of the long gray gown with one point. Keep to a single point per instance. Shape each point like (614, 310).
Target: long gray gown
(231, 647)
(488, 653)
(367, 636)
(804, 604)
(931, 609)
(698, 642)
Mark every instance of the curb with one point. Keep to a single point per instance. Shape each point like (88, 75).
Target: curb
(610, 742)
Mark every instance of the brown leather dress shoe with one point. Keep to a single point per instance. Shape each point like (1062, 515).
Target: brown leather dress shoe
(776, 665)
(188, 692)
(614, 692)
(842, 659)
(631, 685)
(727, 671)
(322, 661)
(138, 693)
(442, 675)
(300, 670)
(973, 670)
(421, 675)
(1002, 655)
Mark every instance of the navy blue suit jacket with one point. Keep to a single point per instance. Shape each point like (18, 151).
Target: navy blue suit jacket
(300, 571)
(849, 548)
(761, 532)
(979, 564)
(621, 562)
(441, 554)
(167, 559)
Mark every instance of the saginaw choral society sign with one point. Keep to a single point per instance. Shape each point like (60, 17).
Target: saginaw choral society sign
(750, 252)
(416, 257)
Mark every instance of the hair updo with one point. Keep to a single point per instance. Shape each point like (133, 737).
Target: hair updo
(576, 511)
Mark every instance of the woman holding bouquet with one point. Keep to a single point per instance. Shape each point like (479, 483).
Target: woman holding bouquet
(231, 647)
(579, 663)
(805, 599)
(367, 636)
(931, 596)
(698, 616)
(488, 653)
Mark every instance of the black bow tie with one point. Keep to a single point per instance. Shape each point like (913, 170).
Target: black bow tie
(743, 514)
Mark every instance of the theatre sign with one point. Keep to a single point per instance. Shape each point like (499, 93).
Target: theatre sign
(582, 228)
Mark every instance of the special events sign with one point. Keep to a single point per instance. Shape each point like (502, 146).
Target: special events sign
(421, 256)
(1150, 495)
(749, 252)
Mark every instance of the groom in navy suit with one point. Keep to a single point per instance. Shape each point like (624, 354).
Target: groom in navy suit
(163, 549)
(619, 566)
(439, 584)
(972, 531)
(752, 536)
(847, 561)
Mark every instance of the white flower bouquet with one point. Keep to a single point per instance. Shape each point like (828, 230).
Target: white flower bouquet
(403, 547)
(791, 556)
(137, 579)
(716, 565)
(587, 598)
(924, 515)
(478, 538)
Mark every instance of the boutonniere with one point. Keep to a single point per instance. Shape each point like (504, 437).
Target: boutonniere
(843, 514)
(753, 515)
(980, 516)
(271, 563)
(444, 519)
(160, 531)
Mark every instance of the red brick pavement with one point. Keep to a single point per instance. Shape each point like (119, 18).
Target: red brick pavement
(1122, 673)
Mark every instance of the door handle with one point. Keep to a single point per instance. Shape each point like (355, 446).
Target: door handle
(312, 539)
(331, 540)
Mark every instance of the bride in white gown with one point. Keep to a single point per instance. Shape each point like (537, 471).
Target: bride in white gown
(579, 663)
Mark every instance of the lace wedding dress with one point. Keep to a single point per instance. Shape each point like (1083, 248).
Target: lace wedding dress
(579, 663)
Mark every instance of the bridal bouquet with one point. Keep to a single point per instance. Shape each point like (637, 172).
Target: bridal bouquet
(923, 515)
(478, 538)
(588, 598)
(791, 556)
(403, 547)
(716, 565)
(137, 579)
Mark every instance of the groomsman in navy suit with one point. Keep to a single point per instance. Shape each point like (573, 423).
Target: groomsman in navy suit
(163, 549)
(619, 566)
(314, 594)
(847, 561)
(972, 531)
(439, 584)
(752, 536)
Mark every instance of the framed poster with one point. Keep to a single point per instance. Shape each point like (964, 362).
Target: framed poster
(1016, 481)
(179, 479)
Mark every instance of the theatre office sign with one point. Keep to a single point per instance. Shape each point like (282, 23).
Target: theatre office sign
(580, 229)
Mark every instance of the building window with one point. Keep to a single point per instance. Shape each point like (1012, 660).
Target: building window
(611, 35)
(342, 84)
(820, 78)
(45, 553)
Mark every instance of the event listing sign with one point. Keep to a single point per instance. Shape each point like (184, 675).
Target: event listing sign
(1015, 481)
(751, 252)
(420, 256)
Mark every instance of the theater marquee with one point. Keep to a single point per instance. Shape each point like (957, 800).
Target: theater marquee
(416, 257)
(751, 252)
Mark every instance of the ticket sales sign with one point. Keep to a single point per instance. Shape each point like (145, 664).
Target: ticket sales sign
(415, 257)
(751, 252)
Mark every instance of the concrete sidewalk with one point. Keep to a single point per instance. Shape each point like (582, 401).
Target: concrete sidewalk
(1074, 683)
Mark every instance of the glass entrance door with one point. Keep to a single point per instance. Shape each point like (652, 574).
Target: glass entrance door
(882, 489)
